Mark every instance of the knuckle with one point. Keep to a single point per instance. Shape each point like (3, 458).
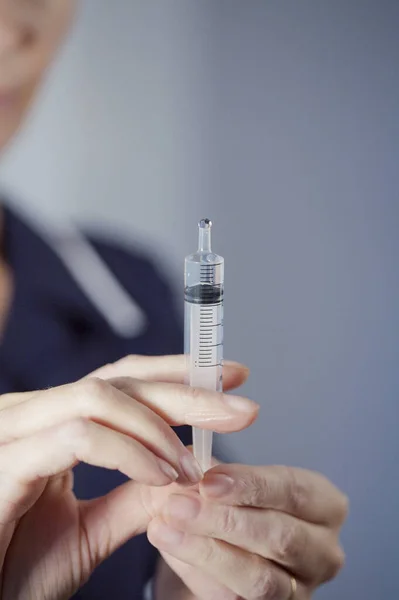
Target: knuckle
(130, 360)
(87, 388)
(75, 432)
(209, 552)
(265, 585)
(290, 544)
(335, 564)
(92, 396)
(255, 490)
(195, 394)
(228, 520)
(296, 493)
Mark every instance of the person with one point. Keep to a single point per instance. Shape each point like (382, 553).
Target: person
(99, 494)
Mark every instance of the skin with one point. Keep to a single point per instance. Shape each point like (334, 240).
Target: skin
(240, 532)
(30, 34)
(246, 527)
(118, 418)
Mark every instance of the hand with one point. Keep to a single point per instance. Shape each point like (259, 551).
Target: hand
(249, 529)
(49, 541)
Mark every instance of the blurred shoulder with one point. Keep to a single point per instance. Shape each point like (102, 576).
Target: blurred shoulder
(142, 277)
(130, 262)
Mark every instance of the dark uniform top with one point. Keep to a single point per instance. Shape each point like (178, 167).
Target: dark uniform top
(56, 335)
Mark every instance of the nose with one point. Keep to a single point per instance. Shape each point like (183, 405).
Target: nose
(10, 37)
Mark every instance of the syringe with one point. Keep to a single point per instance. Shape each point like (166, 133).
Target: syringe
(203, 328)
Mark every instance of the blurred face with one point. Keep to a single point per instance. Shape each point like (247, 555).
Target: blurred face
(30, 33)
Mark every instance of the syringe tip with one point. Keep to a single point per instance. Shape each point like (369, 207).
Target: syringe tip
(205, 224)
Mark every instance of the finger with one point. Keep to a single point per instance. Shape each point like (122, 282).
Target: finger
(303, 494)
(138, 408)
(57, 449)
(179, 404)
(202, 588)
(167, 369)
(309, 551)
(98, 401)
(110, 520)
(247, 575)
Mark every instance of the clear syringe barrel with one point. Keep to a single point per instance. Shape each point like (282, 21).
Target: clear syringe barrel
(203, 328)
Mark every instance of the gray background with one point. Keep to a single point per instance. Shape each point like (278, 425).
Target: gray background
(280, 121)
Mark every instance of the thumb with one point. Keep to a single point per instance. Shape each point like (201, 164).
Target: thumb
(110, 521)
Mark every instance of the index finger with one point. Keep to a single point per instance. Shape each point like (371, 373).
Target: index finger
(164, 369)
(167, 369)
(304, 494)
(179, 404)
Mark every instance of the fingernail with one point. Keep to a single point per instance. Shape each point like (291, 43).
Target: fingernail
(168, 470)
(167, 535)
(191, 468)
(217, 484)
(183, 507)
(240, 404)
